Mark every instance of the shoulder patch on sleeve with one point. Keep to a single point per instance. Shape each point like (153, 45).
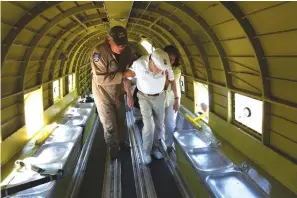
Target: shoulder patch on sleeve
(96, 57)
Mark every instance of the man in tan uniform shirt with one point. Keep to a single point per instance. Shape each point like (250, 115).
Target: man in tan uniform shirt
(109, 62)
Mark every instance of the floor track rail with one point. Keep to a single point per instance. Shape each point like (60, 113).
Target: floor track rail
(143, 180)
(112, 187)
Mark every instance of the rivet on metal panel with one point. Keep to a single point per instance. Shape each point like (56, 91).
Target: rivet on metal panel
(208, 141)
(218, 143)
(245, 167)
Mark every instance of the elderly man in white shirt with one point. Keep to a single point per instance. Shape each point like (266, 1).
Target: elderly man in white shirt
(151, 71)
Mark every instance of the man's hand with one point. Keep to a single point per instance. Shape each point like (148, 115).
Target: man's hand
(176, 105)
(128, 73)
(130, 100)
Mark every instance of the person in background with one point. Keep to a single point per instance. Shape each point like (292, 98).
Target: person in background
(110, 62)
(170, 113)
(151, 71)
(204, 110)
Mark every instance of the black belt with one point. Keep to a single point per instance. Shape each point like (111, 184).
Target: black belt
(150, 94)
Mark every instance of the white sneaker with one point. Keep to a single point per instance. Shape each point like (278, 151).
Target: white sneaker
(147, 159)
(157, 154)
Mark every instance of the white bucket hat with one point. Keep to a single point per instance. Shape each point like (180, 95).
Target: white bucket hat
(161, 59)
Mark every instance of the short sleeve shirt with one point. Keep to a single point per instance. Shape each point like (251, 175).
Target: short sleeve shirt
(148, 82)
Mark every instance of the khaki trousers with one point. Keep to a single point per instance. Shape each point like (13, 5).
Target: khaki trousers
(112, 113)
(152, 111)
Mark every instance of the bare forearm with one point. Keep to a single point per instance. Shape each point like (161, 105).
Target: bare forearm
(128, 87)
(173, 88)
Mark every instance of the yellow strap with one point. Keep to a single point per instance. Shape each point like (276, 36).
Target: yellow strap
(200, 116)
(193, 121)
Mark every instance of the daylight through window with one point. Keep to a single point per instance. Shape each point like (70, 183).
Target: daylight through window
(182, 83)
(148, 46)
(33, 112)
(56, 90)
(202, 100)
(70, 83)
(249, 112)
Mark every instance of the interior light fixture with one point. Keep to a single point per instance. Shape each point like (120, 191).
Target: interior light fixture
(120, 19)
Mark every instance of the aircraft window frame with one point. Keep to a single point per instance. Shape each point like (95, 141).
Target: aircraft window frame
(70, 83)
(56, 90)
(73, 81)
(182, 84)
(201, 95)
(248, 113)
(62, 87)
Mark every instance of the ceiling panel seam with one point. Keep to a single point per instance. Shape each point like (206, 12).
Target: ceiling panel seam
(76, 40)
(53, 45)
(63, 45)
(21, 24)
(164, 28)
(142, 14)
(266, 8)
(250, 34)
(167, 40)
(263, 66)
(162, 13)
(44, 30)
(175, 20)
(79, 42)
(69, 39)
(188, 11)
(64, 65)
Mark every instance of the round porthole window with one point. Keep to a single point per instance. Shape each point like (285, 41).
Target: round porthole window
(247, 112)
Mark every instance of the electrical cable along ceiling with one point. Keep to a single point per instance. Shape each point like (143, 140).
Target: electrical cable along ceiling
(248, 48)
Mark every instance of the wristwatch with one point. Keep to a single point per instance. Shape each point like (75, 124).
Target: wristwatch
(176, 98)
